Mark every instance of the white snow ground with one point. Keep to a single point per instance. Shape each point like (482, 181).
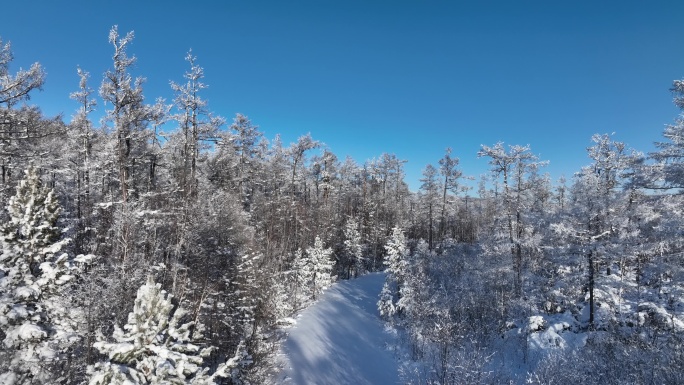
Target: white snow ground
(340, 339)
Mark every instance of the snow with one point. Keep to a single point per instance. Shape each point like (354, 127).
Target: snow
(555, 332)
(340, 339)
(26, 332)
(25, 293)
(9, 378)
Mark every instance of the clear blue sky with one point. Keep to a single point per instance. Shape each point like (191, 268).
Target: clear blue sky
(404, 77)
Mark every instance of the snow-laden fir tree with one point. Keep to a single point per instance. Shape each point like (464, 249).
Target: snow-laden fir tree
(396, 264)
(321, 265)
(353, 246)
(386, 304)
(31, 274)
(302, 271)
(154, 347)
(397, 254)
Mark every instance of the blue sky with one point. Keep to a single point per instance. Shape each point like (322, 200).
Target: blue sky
(403, 77)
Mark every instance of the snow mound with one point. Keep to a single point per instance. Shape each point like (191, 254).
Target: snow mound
(25, 332)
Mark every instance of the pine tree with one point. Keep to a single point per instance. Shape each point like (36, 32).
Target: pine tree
(386, 304)
(31, 275)
(397, 252)
(322, 266)
(396, 263)
(302, 270)
(353, 246)
(154, 347)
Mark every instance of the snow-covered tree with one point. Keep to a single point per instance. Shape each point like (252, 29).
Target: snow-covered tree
(448, 169)
(322, 266)
(353, 246)
(397, 253)
(386, 303)
(514, 166)
(15, 88)
(297, 152)
(196, 125)
(32, 228)
(32, 271)
(599, 207)
(247, 294)
(302, 271)
(396, 263)
(244, 138)
(128, 114)
(430, 188)
(154, 347)
(81, 135)
(668, 172)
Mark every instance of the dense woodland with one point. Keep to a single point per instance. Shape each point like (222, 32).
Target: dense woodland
(165, 244)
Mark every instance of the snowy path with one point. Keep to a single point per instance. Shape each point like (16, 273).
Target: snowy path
(340, 339)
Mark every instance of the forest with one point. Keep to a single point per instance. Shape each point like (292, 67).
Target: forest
(168, 245)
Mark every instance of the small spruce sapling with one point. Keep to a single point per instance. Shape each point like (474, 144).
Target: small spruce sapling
(154, 347)
(322, 266)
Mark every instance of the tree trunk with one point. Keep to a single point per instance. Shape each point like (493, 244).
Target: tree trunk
(590, 260)
(430, 230)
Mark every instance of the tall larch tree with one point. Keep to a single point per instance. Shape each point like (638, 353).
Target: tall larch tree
(14, 88)
(81, 134)
(128, 115)
(430, 188)
(513, 166)
(197, 126)
(449, 171)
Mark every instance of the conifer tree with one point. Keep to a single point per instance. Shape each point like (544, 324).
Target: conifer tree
(353, 246)
(396, 264)
(303, 275)
(386, 304)
(397, 252)
(31, 274)
(321, 265)
(154, 347)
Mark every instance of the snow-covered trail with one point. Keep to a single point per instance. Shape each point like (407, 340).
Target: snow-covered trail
(340, 339)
